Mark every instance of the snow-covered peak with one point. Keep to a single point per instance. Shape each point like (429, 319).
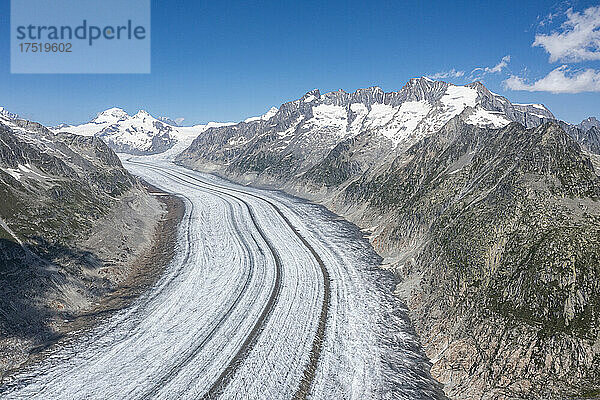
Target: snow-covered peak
(111, 115)
(265, 117)
(421, 79)
(170, 121)
(272, 111)
(143, 114)
(7, 114)
(138, 134)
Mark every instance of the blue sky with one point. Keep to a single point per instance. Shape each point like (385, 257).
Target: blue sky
(225, 61)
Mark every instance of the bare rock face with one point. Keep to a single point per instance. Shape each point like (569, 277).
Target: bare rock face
(589, 123)
(587, 134)
(59, 172)
(488, 212)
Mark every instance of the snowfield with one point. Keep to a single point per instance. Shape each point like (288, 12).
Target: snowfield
(268, 296)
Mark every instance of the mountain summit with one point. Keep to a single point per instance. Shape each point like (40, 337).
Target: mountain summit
(137, 134)
(589, 123)
(112, 115)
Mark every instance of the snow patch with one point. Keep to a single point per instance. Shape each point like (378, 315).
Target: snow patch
(457, 98)
(237, 141)
(410, 114)
(361, 112)
(359, 108)
(329, 115)
(291, 129)
(24, 168)
(538, 115)
(483, 118)
(13, 172)
(538, 106)
(380, 115)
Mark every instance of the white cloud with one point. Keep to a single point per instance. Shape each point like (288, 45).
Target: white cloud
(447, 74)
(178, 121)
(548, 19)
(578, 39)
(477, 72)
(560, 80)
(492, 70)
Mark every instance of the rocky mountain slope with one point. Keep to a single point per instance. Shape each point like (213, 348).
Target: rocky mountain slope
(137, 134)
(495, 237)
(587, 134)
(486, 210)
(589, 123)
(72, 220)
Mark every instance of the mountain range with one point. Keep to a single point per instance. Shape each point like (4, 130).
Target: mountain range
(400, 118)
(135, 134)
(486, 210)
(352, 131)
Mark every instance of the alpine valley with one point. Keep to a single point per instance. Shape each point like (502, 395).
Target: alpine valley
(482, 216)
(74, 226)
